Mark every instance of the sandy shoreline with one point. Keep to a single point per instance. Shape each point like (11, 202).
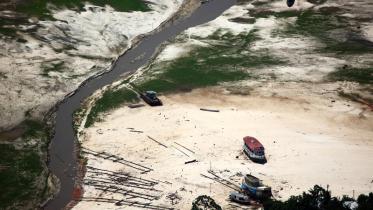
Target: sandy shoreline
(306, 144)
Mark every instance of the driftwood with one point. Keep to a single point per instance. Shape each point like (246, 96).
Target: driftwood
(117, 159)
(209, 110)
(222, 181)
(191, 161)
(180, 151)
(133, 106)
(157, 142)
(185, 147)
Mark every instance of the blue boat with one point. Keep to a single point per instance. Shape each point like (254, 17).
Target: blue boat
(254, 187)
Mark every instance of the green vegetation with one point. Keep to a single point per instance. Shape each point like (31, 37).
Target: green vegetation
(50, 67)
(205, 202)
(41, 10)
(360, 75)
(319, 199)
(357, 98)
(228, 60)
(33, 129)
(320, 24)
(21, 169)
(111, 99)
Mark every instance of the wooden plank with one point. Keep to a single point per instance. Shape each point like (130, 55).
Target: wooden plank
(185, 147)
(209, 110)
(157, 142)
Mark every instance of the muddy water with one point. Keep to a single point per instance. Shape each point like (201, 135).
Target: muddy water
(63, 162)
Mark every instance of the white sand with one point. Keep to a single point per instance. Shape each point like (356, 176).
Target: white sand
(307, 142)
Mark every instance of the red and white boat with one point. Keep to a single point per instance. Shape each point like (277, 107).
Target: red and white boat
(254, 149)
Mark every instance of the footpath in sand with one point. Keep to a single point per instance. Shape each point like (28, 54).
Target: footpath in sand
(306, 144)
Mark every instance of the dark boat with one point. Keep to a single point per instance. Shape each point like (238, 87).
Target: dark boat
(150, 97)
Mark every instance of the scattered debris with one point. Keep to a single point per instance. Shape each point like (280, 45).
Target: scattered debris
(174, 197)
(205, 202)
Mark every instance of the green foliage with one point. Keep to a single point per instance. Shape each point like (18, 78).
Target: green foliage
(50, 67)
(320, 24)
(360, 75)
(205, 202)
(227, 60)
(110, 100)
(18, 173)
(365, 202)
(33, 129)
(318, 199)
(41, 10)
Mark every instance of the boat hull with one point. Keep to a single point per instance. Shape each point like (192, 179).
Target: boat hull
(254, 157)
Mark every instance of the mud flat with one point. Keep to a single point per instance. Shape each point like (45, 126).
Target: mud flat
(303, 91)
(307, 142)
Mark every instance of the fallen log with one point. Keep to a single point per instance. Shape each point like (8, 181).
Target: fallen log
(191, 161)
(209, 110)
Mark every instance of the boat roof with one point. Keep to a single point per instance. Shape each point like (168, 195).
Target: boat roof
(252, 142)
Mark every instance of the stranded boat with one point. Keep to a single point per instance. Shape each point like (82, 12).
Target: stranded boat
(150, 97)
(239, 198)
(254, 187)
(254, 149)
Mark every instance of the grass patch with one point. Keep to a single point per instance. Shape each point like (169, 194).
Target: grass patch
(52, 67)
(360, 75)
(204, 66)
(209, 66)
(33, 129)
(257, 13)
(111, 99)
(356, 98)
(41, 10)
(320, 24)
(19, 170)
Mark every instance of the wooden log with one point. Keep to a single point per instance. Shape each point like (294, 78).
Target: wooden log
(157, 142)
(191, 161)
(180, 151)
(185, 147)
(209, 110)
(134, 106)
